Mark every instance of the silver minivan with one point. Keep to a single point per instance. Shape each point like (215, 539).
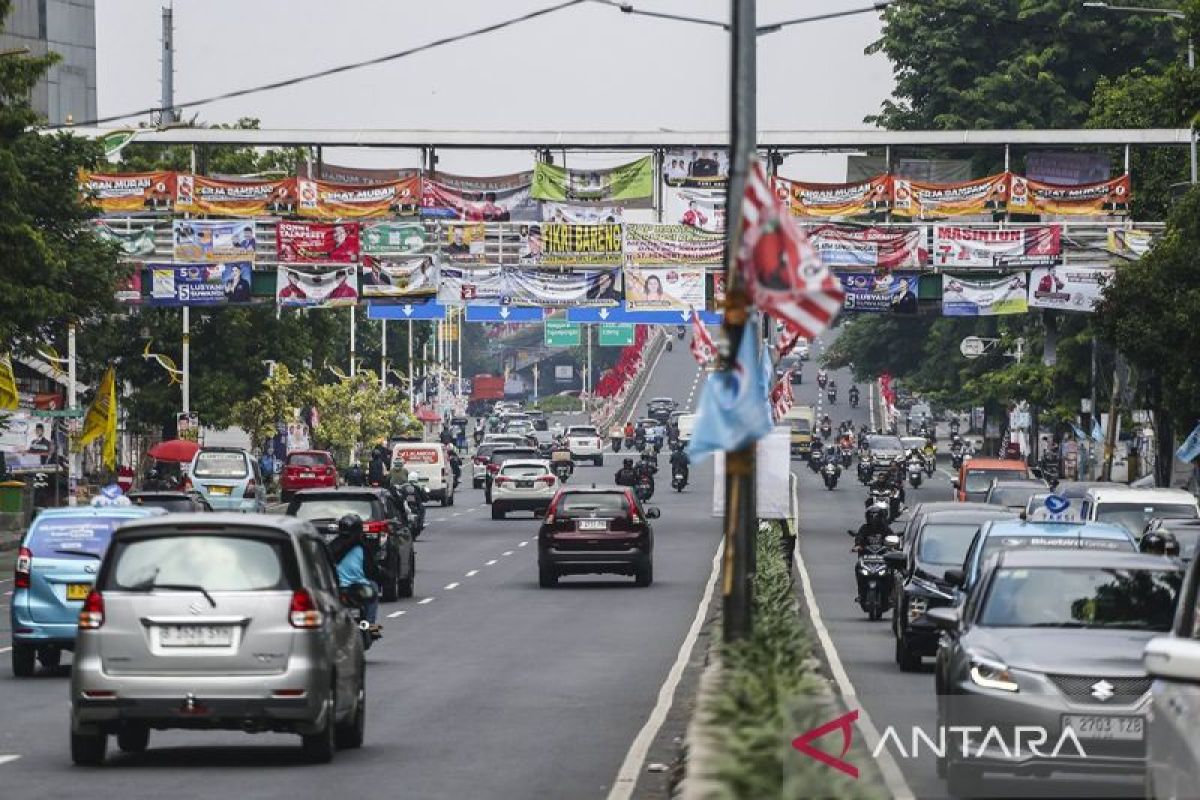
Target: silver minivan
(217, 622)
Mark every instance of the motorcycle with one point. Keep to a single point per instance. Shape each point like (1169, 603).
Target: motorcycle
(821, 381)
(562, 465)
(930, 463)
(875, 577)
(916, 471)
(678, 480)
(830, 474)
(616, 443)
(826, 430)
(847, 456)
(357, 597)
(956, 459)
(411, 497)
(866, 468)
(629, 443)
(815, 461)
(832, 395)
(854, 399)
(643, 487)
(889, 498)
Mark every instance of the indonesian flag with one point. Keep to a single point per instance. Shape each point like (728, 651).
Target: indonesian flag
(781, 396)
(788, 340)
(784, 275)
(703, 349)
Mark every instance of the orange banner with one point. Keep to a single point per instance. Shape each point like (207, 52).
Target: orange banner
(824, 200)
(128, 191)
(928, 200)
(328, 200)
(1089, 199)
(236, 198)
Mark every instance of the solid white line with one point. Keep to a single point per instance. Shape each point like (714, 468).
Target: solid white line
(8, 759)
(449, 586)
(488, 564)
(395, 614)
(472, 573)
(507, 553)
(425, 602)
(631, 767)
(892, 776)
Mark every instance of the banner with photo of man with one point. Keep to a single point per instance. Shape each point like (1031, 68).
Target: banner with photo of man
(317, 242)
(1088, 199)
(962, 297)
(869, 248)
(213, 240)
(700, 208)
(581, 244)
(896, 293)
(303, 288)
(696, 168)
(1039, 245)
(630, 185)
(402, 278)
(465, 243)
(672, 244)
(919, 199)
(693, 190)
(568, 214)
(329, 200)
(136, 242)
(498, 198)
(663, 288)
(129, 288)
(200, 284)
(1068, 288)
(392, 238)
(128, 191)
(580, 287)
(823, 200)
(198, 194)
(464, 284)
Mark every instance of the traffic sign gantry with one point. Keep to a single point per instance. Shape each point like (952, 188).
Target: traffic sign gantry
(615, 334)
(619, 313)
(560, 333)
(417, 311)
(498, 313)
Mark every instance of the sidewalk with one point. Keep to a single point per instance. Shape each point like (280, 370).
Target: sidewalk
(11, 531)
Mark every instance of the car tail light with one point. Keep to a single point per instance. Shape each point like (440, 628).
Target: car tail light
(92, 615)
(546, 479)
(24, 564)
(251, 489)
(375, 526)
(501, 479)
(551, 510)
(304, 612)
(493, 468)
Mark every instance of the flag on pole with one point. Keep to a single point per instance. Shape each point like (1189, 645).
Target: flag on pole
(783, 273)
(788, 340)
(703, 349)
(101, 419)
(1190, 449)
(8, 385)
(733, 410)
(1097, 431)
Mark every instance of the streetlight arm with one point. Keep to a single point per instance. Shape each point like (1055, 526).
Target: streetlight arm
(1163, 12)
(628, 8)
(776, 26)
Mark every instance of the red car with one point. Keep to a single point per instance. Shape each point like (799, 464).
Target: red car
(306, 469)
(596, 530)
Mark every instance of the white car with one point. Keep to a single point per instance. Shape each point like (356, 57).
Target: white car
(1133, 508)
(585, 443)
(523, 485)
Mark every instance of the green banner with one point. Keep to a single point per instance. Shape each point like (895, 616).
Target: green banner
(615, 334)
(392, 238)
(137, 242)
(630, 185)
(560, 333)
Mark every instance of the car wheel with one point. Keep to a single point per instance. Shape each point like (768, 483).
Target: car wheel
(963, 780)
(598, 461)
(87, 749)
(50, 657)
(406, 584)
(350, 734)
(320, 746)
(905, 657)
(390, 587)
(133, 738)
(24, 660)
(497, 512)
(444, 500)
(644, 576)
(451, 499)
(547, 576)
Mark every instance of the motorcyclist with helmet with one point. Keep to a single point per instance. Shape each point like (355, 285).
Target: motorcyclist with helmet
(356, 564)
(627, 474)
(679, 463)
(649, 459)
(870, 534)
(1159, 543)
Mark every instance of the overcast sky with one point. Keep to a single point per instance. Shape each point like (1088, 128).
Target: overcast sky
(588, 67)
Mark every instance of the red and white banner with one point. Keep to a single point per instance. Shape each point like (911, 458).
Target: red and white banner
(1036, 246)
(871, 248)
(703, 348)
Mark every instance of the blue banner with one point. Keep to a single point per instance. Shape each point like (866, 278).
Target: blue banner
(619, 313)
(417, 311)
(1190, 449)
(868, 292)
(494, 313)
(199, 284)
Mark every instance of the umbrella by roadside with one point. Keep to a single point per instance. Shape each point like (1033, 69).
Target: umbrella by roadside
(177, 450)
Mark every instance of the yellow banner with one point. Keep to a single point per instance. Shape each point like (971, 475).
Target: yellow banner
(101, 418)
(8, 385)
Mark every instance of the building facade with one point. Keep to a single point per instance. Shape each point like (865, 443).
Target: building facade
(66, 27)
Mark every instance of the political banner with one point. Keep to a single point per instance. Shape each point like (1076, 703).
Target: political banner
(581, 244)
(330, 200)
(1068, 288)
(630, 185)
(918, 199)
(869, 248)
(199, 284)
(128, 191)
(477, 285)
(1068, 168)
(324, 171)
(403, 278)
(392, 238)
(672, 244)
(325, 289)
(703, 209)
(136, 242)
(197, 194)
(718, 290)
(317, 242)
(575, 288)
(466, 243)
(129, 288)
(695, 168)
(213, 240)
(1130, 243)
(499, 198)
(896, 293)
(1039, 245)
(969, 298)
(569, 214)
(1088, 199)
(823, 200)
(663, 288)
(693, 191)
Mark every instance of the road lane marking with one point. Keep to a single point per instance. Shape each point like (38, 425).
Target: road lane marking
(7, 759)
(522, 544)
(488, 564)
(425, 602)
(507, 553)
(450, 586)
(395, 614)
(5, 649)
(631, 767)
(472, 573)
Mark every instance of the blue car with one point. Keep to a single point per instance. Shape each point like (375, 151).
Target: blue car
(56, 567)
(229, 479)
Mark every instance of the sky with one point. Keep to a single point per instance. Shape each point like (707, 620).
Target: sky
(588, 67)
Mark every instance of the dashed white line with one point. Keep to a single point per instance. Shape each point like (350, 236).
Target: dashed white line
(456, 514)
(395, 614)
(472, 573)
(450, 586)
(425, 602)
(522, 544)
(8, 759)
(5, 649)
(488, 564)
(507, 553)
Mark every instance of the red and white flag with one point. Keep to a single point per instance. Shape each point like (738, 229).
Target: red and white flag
(788, 339)
(703, 349)
(781, 396)
(783, 273)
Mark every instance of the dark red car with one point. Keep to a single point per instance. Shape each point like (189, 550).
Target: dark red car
(593, 531)
(306, 469)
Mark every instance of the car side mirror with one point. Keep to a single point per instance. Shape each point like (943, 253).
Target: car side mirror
(895, 560)
(943, 617)
(955, 577)
(1172, 658)
(652, 512)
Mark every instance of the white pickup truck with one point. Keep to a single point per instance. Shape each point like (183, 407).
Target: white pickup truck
(585, 443)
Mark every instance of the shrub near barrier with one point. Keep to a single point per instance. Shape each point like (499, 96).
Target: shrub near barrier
(560, 404)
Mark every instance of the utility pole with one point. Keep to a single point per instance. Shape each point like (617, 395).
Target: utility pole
(412, 400)
(74, 462)
(167, 114)
(740, 501)
(1110, 435)
(383, 366)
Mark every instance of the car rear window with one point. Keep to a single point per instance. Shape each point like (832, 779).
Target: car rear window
(221, 464)
(308, 460)
(500, 456)
(311, 508)
(978, 480)
(1134, 516)
(582, 431)
(600, 503)
(215, 562)
(524, 470)
(172, 504)
(946, 544)
(58, 537)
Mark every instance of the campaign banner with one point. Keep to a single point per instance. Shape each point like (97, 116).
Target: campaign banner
(317, 242)
(962, 297)
(392, 238)
(129, 288)
(672, 244)
(699, 208)
(823, 200)
(213, 240)
(466, 243)
(663, 288)
(460, 284)
(128, 191)
(1130, 243)
(1068, 288)
(630, 185)
(499, 198)
(896, 293)
(330, 200)
(403, 278)
(299, 288)
(199, 284)
(575, 288)
(137, 242)
(718, 290)
(569, 214)
(1039, 245)
(198, 194)
(1066, 167)
(581, 244)
(324, 171)
(695, 169)
(1088, 199)
(920, 199)
(869, 248)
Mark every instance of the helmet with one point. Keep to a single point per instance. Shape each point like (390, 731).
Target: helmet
(877, 515)
(628, 462)
(1154, 543)
(350, 525)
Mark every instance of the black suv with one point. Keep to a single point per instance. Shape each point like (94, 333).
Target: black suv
(383, 524)
(594, 531)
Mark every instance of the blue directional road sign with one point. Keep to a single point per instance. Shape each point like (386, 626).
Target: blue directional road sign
(417, 311)
(619, 313)
(505, 313)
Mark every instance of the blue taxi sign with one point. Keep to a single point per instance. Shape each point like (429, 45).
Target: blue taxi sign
(1055, 508)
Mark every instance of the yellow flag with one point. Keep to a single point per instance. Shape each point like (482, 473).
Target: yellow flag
(8, 384)
(101, 418)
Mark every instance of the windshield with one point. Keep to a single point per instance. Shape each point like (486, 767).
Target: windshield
(216, 563)
(308, 460)
(1134, 516)
(221, 464)
(582, 431)
(1076, 597)
(801, 425)
(911, 442)
(332, 507)
(978, 480)
(884, 443)
(946, 544)
(994, 544)
(604, 504)
(89, 536)
(500, 456)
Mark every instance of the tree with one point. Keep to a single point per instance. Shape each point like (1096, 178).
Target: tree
(281, 396)
(357, 412)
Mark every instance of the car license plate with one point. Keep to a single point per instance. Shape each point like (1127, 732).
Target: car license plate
(593, 524)
(195, 635)
(1097, 726)
(78, 591)
(221, 490)
(307, 475)
(524, 484)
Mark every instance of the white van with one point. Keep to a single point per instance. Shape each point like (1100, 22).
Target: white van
(687, 424)
(428, 459)
(1133, 508)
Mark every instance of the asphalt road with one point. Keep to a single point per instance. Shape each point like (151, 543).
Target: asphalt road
(484, 685)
